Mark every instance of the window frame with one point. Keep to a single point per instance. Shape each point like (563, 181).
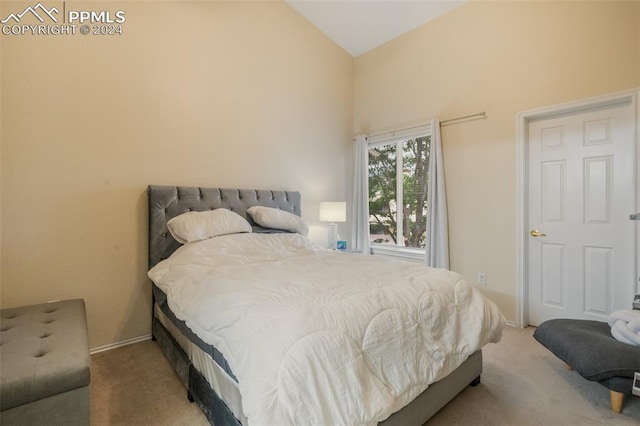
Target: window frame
(398, 137)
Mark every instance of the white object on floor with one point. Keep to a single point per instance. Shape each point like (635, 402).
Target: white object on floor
(625, 326)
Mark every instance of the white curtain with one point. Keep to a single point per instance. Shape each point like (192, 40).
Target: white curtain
(360, 211)
(437, 244)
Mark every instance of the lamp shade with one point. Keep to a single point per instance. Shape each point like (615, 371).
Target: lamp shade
(333, 211)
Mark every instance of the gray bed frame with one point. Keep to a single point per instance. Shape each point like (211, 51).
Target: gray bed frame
(166, 202)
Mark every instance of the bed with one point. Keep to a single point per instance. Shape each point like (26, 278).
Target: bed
(199, 354)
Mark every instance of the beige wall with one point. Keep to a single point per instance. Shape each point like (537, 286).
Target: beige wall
(1, 97)
(231, 94)
(251, 95)
(502, 58)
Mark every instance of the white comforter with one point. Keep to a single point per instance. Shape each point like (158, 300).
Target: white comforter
(321, 337)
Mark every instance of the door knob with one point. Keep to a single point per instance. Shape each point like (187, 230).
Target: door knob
(536, 233)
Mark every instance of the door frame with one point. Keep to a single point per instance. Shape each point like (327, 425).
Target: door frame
(522, 178)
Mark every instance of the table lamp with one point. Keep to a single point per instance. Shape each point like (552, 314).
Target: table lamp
(332, 212)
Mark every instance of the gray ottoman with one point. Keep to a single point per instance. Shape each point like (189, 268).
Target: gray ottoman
(44, 364)
(588, 348)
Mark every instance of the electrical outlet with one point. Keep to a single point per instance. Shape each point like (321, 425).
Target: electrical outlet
(636, 302)
(636, 385)
(482, 278)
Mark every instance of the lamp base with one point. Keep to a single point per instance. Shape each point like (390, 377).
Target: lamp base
(332, 239)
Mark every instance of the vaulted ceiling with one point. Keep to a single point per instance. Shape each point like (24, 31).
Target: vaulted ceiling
(361, 25)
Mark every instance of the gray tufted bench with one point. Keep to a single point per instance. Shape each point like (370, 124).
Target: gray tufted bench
(44, 364)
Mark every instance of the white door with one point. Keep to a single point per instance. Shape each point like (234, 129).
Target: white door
(581, 191)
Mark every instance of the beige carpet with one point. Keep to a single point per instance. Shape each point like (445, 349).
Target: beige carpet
(522, 384)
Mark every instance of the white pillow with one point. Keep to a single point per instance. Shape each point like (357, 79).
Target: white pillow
(196, 226)
(278, 219)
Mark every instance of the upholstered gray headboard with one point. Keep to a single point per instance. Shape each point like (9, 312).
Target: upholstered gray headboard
(166, 202)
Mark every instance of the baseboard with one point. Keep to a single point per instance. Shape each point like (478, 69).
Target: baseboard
(119, 344)
(510, 323)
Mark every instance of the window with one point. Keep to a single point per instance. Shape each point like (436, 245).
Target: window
(398, 186)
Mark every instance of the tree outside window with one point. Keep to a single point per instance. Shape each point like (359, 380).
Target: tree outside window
(398, 186)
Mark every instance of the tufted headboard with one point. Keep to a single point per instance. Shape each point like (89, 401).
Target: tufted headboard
(166, 202)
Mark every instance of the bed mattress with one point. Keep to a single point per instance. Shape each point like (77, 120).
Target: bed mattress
(160, 299)
(222, 382)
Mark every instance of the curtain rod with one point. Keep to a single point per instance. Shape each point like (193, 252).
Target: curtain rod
(480, 114)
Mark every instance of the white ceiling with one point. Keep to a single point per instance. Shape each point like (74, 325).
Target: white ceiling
(361, 25)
